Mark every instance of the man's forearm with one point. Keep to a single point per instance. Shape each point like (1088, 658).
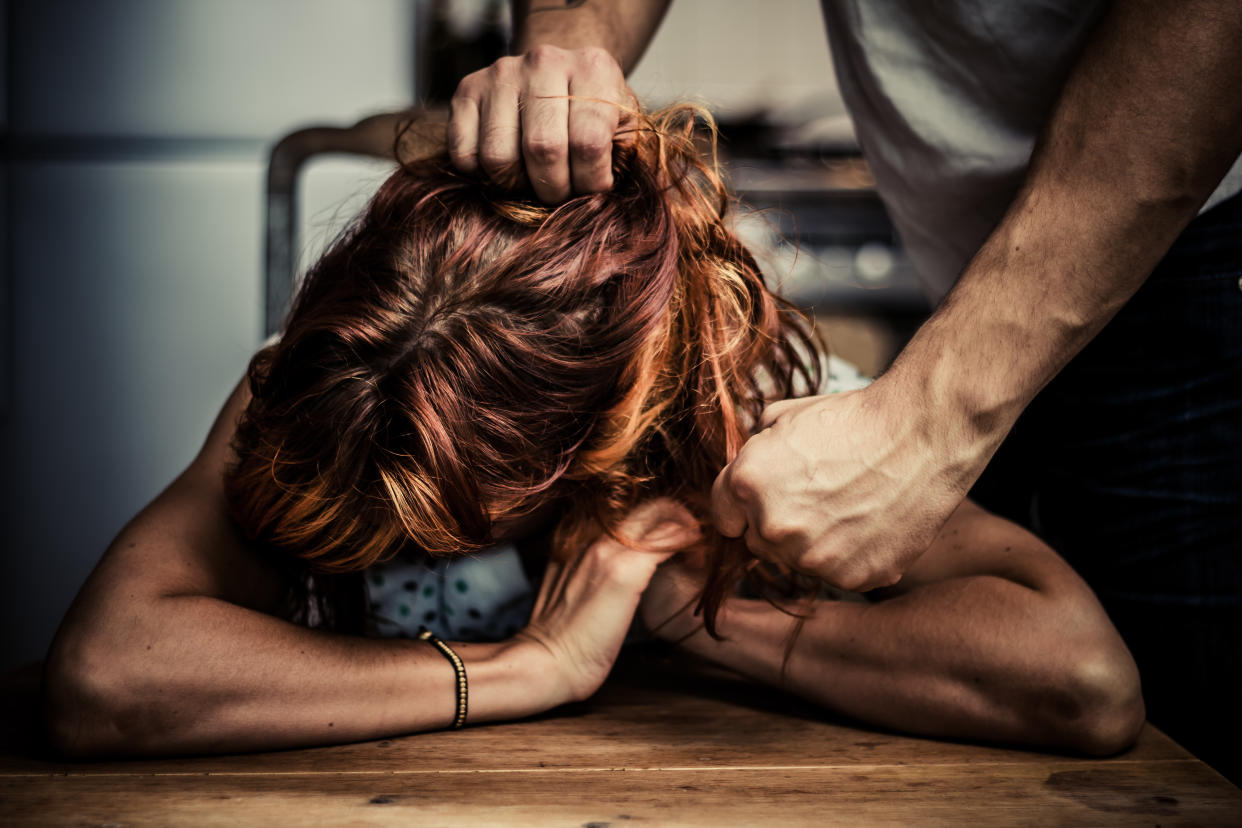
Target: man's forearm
(622, 27)
(198, 675)
(1147, 124)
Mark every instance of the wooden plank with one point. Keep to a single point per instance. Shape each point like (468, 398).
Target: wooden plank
(1170, 792)
(651, 714)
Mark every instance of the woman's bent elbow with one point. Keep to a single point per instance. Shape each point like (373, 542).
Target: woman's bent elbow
(82, 703)
(1107, 707)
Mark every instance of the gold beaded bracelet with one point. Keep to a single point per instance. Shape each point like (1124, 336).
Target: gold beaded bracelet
(459, 667)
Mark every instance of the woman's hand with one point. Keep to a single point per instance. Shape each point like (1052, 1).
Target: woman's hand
(585, 607)
(667, 607)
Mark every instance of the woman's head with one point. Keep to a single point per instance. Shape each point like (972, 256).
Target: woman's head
(462, 358)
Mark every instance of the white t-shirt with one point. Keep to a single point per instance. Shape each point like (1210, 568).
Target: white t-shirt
(947, 99)
(488, 596)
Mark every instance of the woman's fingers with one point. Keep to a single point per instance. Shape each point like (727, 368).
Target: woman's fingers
(669, 538)
(651, 520)
(649, 534)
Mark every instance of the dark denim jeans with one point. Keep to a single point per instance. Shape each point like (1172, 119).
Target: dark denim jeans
(1130, 465)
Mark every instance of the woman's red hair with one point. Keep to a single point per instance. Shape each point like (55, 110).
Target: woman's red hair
(463, 356)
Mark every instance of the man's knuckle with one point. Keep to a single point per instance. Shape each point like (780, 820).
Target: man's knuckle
(774, 530)
(463, 100)
(849, 580)
(502, 71)
(468, 88)
(744, 460)
(741, 487)
(830, 568)
(862, 579)
(596, 59)
(888, 576)
(544, 56)
(590, 144)
(543, 149)
(812, 559)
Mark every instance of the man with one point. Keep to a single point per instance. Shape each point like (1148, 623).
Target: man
(1053, 155)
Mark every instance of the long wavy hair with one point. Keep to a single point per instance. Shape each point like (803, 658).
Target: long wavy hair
(463, 356)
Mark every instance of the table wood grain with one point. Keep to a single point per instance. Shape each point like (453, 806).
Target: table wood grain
(663, 743)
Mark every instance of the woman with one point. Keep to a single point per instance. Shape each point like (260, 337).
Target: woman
(466, 368)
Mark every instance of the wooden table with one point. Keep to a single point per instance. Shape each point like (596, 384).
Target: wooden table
(658, 745)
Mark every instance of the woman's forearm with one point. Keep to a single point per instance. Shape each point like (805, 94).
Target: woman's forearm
(195, 674)
(977, 657)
